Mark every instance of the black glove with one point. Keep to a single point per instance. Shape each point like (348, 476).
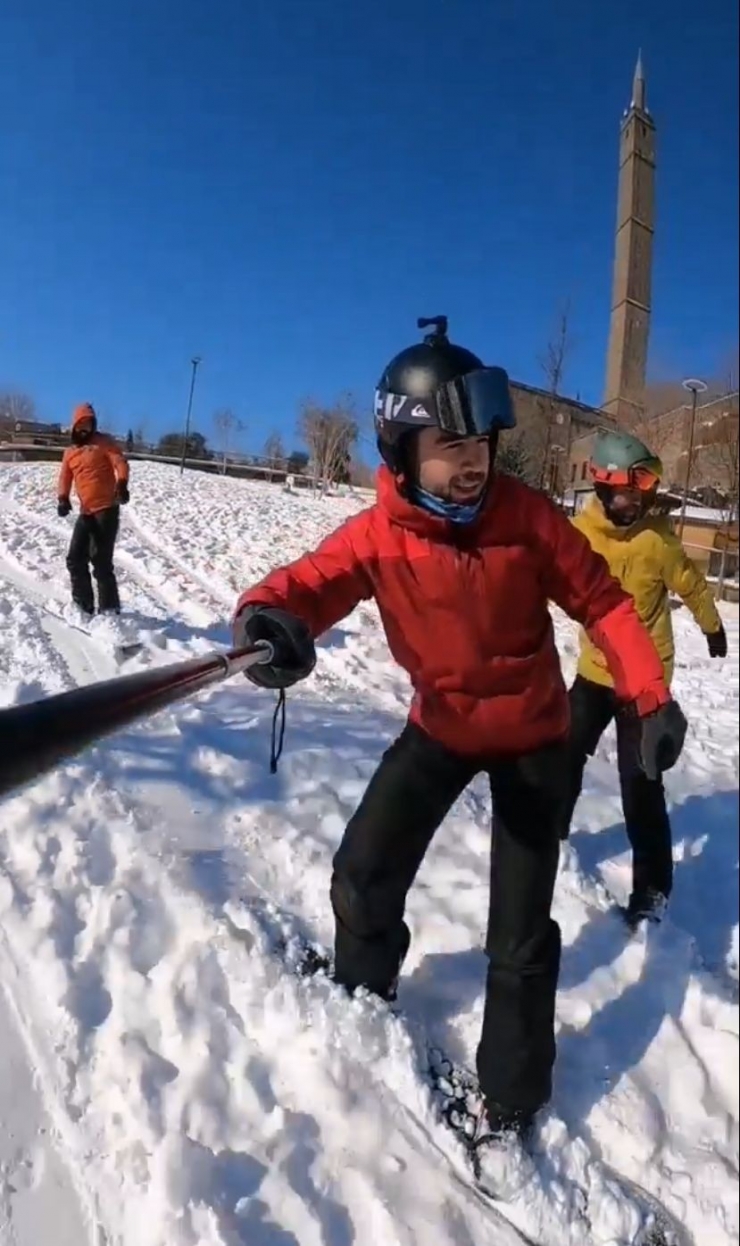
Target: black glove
(717, 643)
(294, 652)
(64, 506)
(122, 494)
(661, 738)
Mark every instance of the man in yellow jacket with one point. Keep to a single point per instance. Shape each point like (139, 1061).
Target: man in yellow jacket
(649, 561)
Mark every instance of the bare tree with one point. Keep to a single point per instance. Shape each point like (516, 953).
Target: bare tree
(274, 453)
(16, 407)
(717, 468)
(361, 474)
(664, 425)
(665, 434)
(512, 455)
(297, 462)
(731, 372)
(330, 434)
(227, 425)
(659, 397)
(553, 427)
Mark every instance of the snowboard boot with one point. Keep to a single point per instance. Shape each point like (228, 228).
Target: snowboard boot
(647, 905)
(497, 1124)
(500, 1151)
(316, 961)
(77, 615)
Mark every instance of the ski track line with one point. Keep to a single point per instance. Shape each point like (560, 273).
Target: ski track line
(148, 584)
(60, 1139)
(191, 613)
(603, 900)
(150, 596)
(217, 591)
(52, 583)
(353, 680)
(82, 667)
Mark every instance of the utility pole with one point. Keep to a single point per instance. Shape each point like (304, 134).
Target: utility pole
(194, 361)
(694, 387)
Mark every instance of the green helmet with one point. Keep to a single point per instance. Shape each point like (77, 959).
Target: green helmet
(621, 459)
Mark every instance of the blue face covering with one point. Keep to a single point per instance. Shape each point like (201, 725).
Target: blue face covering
(455, 512)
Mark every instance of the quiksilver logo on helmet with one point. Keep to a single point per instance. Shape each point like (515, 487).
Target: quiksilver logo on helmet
(390, 407)
(419, 413)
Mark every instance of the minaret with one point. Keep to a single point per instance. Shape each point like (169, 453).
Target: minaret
(629, 327)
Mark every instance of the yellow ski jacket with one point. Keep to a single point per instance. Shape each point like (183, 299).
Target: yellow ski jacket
(649, 561)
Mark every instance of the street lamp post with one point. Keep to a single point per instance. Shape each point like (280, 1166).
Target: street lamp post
(695, 388)
(194, 361)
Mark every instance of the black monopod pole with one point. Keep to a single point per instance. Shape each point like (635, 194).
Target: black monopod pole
(36, 737)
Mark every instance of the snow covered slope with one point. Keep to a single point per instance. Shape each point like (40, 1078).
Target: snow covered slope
(198, 1095)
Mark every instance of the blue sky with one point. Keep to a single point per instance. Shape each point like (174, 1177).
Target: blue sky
(283, 186)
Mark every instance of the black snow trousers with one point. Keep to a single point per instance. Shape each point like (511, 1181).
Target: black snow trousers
(592, 708)
(414, 787)
(93, 542)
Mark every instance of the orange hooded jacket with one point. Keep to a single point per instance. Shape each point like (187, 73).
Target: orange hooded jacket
(94, 468)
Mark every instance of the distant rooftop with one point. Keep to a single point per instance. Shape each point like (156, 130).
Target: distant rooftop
(591, 415)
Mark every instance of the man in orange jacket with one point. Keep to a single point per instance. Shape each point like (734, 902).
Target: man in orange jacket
(462, 561)
(99, 472)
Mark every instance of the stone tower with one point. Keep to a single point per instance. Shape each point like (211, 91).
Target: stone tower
(629, 328)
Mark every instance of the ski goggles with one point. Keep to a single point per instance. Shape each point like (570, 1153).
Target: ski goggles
(645, 476)
(469, 406)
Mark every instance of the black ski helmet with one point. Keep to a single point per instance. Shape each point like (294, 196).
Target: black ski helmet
(435, 383)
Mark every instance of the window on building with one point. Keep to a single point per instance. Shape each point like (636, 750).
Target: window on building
(584, 470)
(731, 565)
(572, 473)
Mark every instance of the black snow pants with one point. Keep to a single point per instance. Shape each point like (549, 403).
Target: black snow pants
(414, 787)
(93, 542)
(592, 708)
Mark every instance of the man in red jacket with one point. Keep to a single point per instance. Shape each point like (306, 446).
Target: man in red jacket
(462, 562)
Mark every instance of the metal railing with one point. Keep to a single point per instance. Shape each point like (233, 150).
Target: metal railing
(51, 447)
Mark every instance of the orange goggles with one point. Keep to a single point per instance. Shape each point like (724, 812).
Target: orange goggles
(644, 477)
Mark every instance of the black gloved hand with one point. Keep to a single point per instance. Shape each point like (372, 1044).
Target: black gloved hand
(294, 651)
(122, 494)
(717, 643)
(661, 739)
(64, 506)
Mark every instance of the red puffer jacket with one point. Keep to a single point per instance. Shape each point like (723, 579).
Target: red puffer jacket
(465, 611)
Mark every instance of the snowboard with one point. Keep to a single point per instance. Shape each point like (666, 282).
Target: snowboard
(120, 650)
(458, 1103)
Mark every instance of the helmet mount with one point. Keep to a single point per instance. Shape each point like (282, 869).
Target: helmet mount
(438, 325)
